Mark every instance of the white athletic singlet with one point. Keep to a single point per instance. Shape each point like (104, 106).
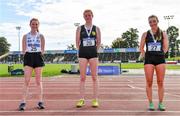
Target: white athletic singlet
(33, 43)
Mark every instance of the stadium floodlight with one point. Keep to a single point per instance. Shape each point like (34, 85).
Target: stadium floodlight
(19, 28)
(168, 18)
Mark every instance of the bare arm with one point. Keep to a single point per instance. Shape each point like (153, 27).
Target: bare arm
(42, 44)
(142, 43)
(78, 37)
(165, 42)
(98, 37)
(24, 44)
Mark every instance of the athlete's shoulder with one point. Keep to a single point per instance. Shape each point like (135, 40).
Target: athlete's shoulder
(145, 34)
(41, 35)
(26, 35)
(96, 27)
(82, 26)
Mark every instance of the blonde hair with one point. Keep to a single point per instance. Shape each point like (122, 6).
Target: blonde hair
(88, 10)
(34, 19)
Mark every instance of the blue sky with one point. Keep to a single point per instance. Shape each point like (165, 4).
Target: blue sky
(57, 18)
(9, 12)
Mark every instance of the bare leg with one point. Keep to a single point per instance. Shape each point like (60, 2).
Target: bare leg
(93, 66)
(149, 71)
(160, 72)
(38, 77)
(27, 77)
(83, 65)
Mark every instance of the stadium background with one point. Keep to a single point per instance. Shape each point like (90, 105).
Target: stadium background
(70, 56)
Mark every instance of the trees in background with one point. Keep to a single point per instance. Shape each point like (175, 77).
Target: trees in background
(128, 39)
(174, 43)
(4, 46)
(71, 47)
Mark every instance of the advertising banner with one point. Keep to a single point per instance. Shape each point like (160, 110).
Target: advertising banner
(106, 70)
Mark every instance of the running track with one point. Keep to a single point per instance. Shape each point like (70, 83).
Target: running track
(123, 95)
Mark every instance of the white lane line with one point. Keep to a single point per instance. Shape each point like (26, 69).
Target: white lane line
(129, 87)
(74, 100)
(68, 82)
(174, 95)
(131, 81)
(70, 85)
(54, 88)
(101, 93)
(89, 87)
(134, 87)
(90, 111)
(110, 81)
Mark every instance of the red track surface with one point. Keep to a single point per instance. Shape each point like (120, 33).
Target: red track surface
(123, 95)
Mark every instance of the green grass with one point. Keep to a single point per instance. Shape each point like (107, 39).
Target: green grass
(3, 70)
(173, 59)
(141, 65)
(173, 67)
(132, 65)
(55, 69)
(48, 70)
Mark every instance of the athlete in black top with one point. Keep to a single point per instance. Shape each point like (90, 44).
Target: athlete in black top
(154, 50)
(88, 39)
(156, 46)
(88, 47)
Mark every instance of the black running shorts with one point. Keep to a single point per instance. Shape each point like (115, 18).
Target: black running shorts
(34, 59)
(88, 52)
(154, 59)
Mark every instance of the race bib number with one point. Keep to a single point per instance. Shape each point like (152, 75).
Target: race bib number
(88, 42)
(154, 46)
(33, 48)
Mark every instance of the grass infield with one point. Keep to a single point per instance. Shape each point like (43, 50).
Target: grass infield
(55, 69)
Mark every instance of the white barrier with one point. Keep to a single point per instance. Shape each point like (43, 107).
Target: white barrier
(4, 55)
